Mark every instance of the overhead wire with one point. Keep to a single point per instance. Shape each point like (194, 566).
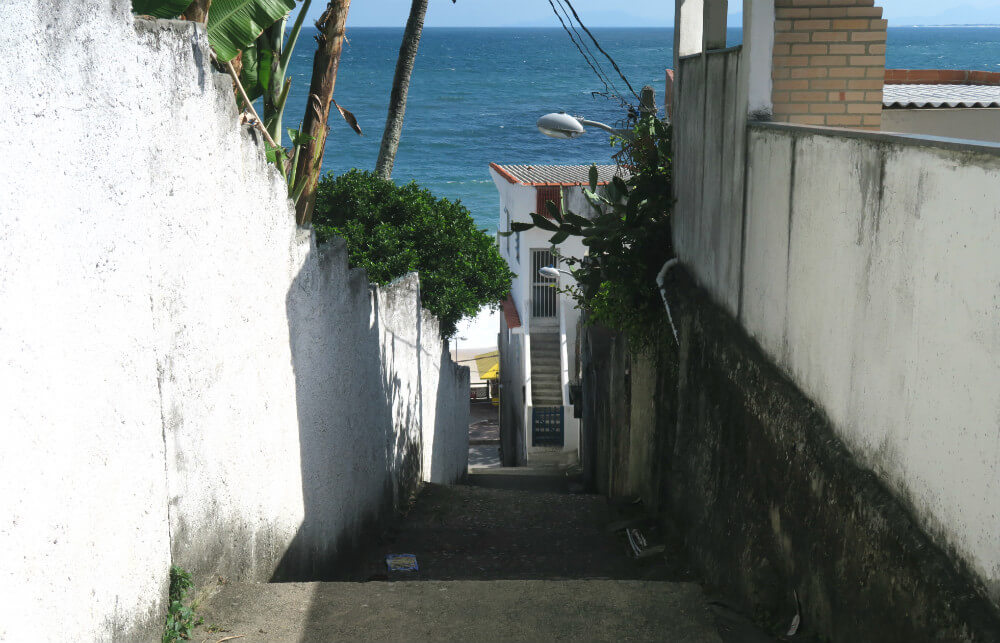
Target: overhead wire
(579, 48)
(603, 74)
(601, 49)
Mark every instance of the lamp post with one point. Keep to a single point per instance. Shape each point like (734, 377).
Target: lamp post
(457, 358)
(562, 125)
(552, 272)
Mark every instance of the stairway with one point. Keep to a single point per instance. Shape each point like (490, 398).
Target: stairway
(546, 370)
(493, 565)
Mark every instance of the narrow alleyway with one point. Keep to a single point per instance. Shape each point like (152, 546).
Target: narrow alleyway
(495, 563)
(484, 435)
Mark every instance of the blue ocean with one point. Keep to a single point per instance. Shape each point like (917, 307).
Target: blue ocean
(475, 95)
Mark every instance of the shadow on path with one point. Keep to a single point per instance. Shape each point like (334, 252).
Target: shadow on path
(475, 533)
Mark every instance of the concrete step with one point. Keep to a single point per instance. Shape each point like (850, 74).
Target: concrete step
(460, 610)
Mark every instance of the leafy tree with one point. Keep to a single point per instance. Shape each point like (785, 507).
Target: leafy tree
(394, 229)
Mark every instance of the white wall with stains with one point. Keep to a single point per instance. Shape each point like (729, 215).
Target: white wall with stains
(184, 377)
(869, 272)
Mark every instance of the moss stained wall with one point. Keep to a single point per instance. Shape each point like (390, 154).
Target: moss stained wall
(747, 472)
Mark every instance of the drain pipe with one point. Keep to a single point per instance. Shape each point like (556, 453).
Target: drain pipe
(660, 278)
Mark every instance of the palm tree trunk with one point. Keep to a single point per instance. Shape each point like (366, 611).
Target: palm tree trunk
(400, 87)
(324, 77)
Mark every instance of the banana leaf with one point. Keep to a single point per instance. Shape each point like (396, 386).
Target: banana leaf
(250, 74)
(234, 24)
(160, 8)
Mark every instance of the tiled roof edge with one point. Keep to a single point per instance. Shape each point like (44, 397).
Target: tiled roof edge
(941, 77)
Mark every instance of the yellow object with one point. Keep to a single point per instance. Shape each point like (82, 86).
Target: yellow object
(488, 365)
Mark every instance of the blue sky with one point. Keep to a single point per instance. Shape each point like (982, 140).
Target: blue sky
(647, 13)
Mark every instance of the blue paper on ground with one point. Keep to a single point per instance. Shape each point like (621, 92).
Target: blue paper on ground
(401, 562)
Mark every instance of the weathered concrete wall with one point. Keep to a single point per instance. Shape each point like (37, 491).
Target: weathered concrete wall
(606, 386)
(868, 273)
(513, 446)
(771, 503)
(185, 378)
(870, 277)
(628, 415)
(709, 160)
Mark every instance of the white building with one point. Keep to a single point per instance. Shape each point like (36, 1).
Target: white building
(538, 328)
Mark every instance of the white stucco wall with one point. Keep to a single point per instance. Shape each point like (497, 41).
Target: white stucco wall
(870, 275)
(184, 378)
(980, 124)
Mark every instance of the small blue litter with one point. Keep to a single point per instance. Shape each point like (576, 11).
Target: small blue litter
(401, 562)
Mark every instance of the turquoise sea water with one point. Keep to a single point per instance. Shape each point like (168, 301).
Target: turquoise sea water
(475, 95)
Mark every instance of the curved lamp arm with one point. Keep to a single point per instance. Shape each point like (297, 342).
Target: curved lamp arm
(624, 133)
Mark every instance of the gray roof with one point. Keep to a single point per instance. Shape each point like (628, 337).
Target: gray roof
(557, 174)
(941, 96)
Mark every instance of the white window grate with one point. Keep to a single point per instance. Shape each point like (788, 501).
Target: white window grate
(543, 289)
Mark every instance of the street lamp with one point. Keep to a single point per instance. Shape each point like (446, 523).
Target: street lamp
(552, 272)
(562, 125)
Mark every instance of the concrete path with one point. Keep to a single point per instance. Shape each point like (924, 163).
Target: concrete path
(484, 436)
(495, 565)
(522, 610)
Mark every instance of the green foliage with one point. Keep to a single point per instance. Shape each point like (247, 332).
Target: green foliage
(394, 229)
(255, 74)
(628, 238)
(180, 617)
(232, 24)
(235, 24)
(160, 8)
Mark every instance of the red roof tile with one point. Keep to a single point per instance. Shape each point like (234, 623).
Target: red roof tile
(557, 175)
(510, 313)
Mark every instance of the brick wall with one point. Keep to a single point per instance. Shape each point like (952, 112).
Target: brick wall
(829, 62)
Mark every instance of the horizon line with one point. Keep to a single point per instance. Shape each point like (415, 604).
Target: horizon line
(557, 28)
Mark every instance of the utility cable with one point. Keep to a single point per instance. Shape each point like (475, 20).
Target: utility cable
(599, 48)
(604, 75)
(570, 34)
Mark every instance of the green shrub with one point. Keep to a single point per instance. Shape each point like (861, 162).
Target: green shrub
(394, 229)
(180, 617)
